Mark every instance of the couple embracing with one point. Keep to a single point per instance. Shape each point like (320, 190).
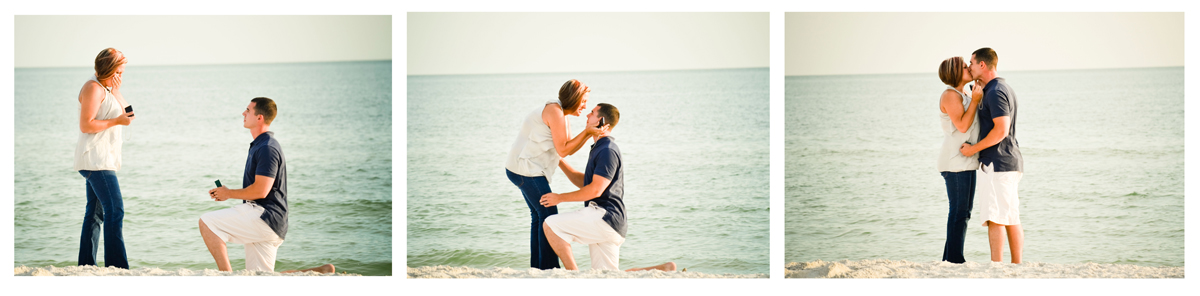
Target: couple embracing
(541, 144)
(980, 151)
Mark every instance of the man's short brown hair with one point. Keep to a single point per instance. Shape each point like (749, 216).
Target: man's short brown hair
(987, 56)
(265, 107)
(610, 114)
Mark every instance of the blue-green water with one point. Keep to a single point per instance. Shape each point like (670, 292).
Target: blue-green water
(334, 124)
(1103, 179)
(694, 147)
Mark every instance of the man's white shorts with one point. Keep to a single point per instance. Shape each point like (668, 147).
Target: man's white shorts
(587, 226)
(997, 196)
(241, 225)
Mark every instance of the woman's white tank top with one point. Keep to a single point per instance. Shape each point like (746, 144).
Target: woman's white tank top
(101, 151)
(950, 159)
(533, 152)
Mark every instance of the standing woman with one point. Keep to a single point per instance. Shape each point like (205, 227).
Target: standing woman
(98, 157)
(958, 126)
(543, 141)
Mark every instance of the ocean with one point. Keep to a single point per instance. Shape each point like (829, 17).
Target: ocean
(334, 124)
(1103, 179)
(694, 145)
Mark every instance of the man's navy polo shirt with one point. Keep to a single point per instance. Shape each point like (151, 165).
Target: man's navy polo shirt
(605, 161)
(266, 159)
(999, 100)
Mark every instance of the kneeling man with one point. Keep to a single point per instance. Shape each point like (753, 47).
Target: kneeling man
(601, 224)
(261, 221)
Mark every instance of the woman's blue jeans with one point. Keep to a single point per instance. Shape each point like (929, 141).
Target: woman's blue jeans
(533, 188)
(960, 187)
(104, 206)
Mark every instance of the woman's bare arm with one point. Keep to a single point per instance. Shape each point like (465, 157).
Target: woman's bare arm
(574, 175)
(563, 143)
(90, 98)
(952, 106)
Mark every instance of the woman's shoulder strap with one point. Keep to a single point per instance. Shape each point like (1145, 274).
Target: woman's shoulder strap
(97, 81)
(955, 90)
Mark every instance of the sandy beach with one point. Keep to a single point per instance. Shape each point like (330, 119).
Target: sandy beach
(148, 271)
(883, 268)
(504, 272)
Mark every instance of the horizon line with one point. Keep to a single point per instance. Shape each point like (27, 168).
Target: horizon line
(605, 71)
(1039, 70)
(221, 64)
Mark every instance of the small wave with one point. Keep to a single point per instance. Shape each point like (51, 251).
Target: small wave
(467, 257)
(90, 270)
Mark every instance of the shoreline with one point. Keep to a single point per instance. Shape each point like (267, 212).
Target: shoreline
(461, 272)
(884, 268)
(150, 271)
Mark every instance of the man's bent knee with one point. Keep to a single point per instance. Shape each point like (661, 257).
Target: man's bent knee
(204, 230)
(551, 236)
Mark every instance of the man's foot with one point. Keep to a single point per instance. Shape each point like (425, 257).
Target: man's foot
(327, 268)
(669, 266)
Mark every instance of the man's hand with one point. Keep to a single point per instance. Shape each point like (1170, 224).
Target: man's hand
(219, 194)
(967, 150)
(550, 199)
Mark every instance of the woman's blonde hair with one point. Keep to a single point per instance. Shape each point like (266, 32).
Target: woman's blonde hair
(571, 94)
(107, 63)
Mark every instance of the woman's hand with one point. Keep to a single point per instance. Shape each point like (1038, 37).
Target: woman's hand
(125, 119)
(977, 91)
(591, 130)
(115, 81)
(595, 131)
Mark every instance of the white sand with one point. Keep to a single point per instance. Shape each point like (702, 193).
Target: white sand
(504, 272)
(883, 268)
(147, 271)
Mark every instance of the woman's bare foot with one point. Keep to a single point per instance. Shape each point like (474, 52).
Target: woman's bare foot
(669, 266)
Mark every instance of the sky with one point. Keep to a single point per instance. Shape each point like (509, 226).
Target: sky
(491, 43)
(882, 43)
(74, 41)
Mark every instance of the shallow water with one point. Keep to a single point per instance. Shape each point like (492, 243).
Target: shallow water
(1103, 180)
(334, 125)
(695, 150)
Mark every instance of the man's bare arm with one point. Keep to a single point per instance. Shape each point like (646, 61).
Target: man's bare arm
(998, 133)
(258, 190)
(586, 193)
